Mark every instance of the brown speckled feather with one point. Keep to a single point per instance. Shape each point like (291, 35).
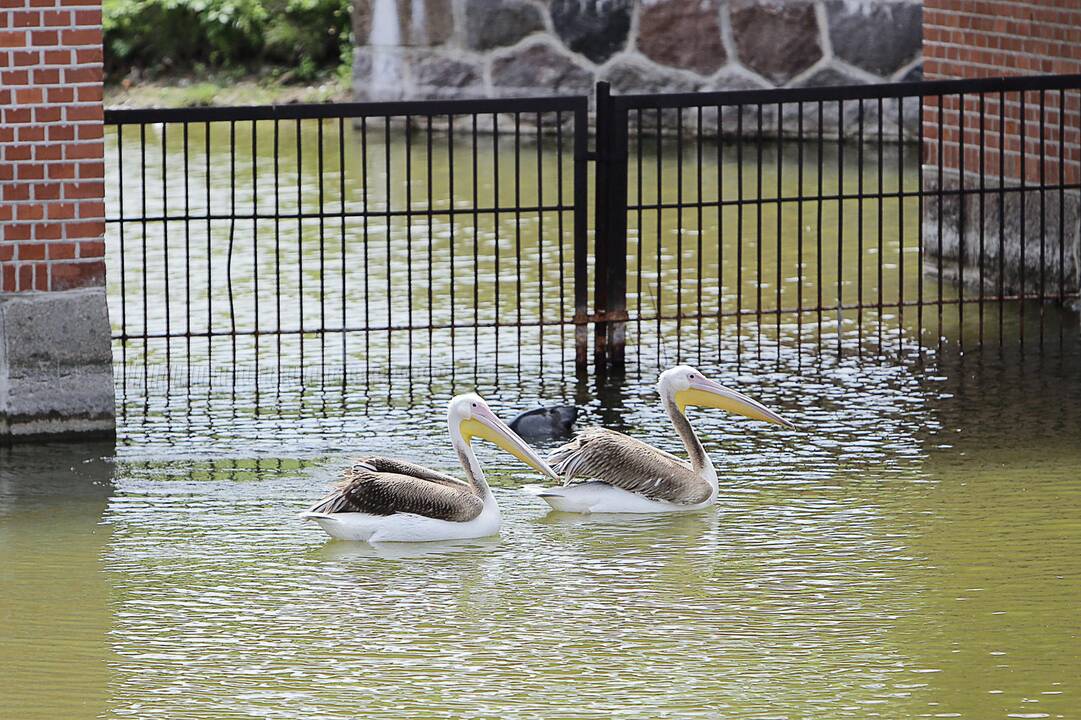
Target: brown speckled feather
(384, 486)
(607, 456)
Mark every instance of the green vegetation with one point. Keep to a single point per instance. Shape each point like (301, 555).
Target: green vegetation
(300, 39)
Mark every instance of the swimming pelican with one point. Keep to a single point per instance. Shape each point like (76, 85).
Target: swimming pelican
(608, 472)
(385, 500)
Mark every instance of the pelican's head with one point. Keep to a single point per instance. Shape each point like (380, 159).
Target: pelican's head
(471, 417)
(685, 385)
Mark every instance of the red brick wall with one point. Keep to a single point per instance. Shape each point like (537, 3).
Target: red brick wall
(51, 145)
(994, 38)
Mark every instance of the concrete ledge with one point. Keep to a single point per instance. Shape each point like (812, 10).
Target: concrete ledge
(56, 373)
(1002, 230)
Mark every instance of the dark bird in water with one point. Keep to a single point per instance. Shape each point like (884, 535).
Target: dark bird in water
(543, 423)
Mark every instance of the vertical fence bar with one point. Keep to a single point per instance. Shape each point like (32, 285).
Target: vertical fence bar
(1043, 211)
(799, 234)
(187, 252)
(452, 221)
(602, 223)
(322, 246)
(209, 286)
(408, 238)
(300, 241)
(660, 198)
(123, 248)
(495, 221)
(879, 202)
(1001, 215)
(142, 193)
(255, 235)
(341, 229)
(961, 222)
(540, 240)
(364, 231)
(641, 233)
(517, 231)
(941, 193)
(679, 235)
(698, 255)
(389, 225)
(739, 235)
(617, 238)
(560, 235)
(581, 236)
(840, 221)
(818, 227)
(165, 242)
(758, 139)
(1021, 210)
(720, 228)
(983, 189)
(859, 229)
(476, 243)
(431, 212)
(277, 248)
(780, 217)
(1061, 206)
(919, 230)
(901, 223)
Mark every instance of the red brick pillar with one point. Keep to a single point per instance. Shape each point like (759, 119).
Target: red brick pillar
(996, 38)
(52, 210)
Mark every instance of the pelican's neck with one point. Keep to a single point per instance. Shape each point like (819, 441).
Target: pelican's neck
(699, 459)
(470, 464)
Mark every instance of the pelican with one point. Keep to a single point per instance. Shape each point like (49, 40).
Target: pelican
(381, 499)
(608, 472)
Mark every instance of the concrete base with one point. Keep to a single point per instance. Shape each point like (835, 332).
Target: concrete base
(56, 368)
(1002, 237)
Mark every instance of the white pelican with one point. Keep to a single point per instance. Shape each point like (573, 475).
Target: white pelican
(385, 500)
(608, 472)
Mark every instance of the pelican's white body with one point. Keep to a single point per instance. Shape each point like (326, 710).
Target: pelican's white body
(412, 527)
(408, 527)
(600, 497)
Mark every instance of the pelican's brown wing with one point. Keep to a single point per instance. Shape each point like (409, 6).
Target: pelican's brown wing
(384, 486)
(621, 461)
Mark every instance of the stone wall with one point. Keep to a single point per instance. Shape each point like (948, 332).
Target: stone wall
(993, 38)
(423, 49)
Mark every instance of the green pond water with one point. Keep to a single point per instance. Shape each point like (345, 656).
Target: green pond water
(912, 550)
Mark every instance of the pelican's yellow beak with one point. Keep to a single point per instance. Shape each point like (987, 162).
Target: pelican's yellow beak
(485, 425)
(707, 393)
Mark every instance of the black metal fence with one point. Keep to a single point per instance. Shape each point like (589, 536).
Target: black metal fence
(860, 218)
(403, 232)
(797, 218)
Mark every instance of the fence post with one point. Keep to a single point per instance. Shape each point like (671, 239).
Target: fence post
(610, 232)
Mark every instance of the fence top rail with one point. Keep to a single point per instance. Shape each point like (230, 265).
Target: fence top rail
(322, 111)
(923, 88)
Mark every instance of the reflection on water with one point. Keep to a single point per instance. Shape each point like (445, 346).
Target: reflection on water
(914, 549)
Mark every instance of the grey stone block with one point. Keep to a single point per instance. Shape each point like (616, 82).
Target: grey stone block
(56, 373)
(538, 69)
(1017, 249)
(879, 37)
(597, 29)
(776, 40)
(499, 23)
